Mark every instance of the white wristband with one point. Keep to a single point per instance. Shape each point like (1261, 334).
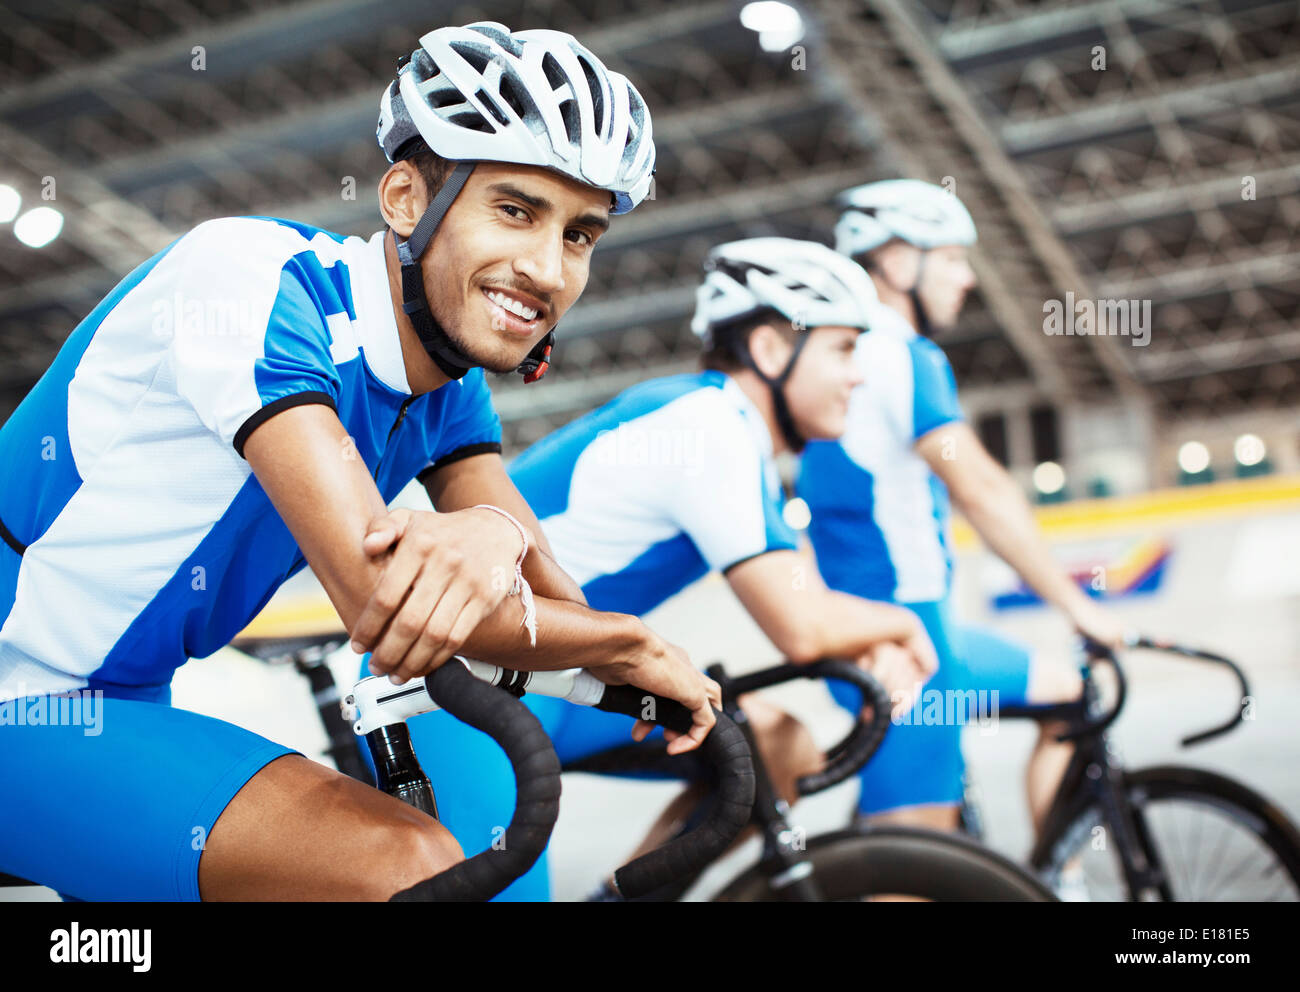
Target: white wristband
(521, 587)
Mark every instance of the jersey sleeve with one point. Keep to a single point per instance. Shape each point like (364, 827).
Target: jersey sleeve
(247, 337)
(471, 425)
(934, 389)
(726, 504)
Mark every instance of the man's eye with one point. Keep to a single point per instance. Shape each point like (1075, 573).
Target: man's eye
(583, 237)
(518, 212)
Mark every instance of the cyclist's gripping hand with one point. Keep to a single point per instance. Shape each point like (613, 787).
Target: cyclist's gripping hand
(1092, 621)
(665, 670)
(902, 668)
(443, 573)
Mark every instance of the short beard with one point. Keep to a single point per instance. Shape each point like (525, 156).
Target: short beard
(477, 358)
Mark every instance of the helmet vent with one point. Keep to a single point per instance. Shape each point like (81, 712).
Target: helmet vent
(492, 107)
(518, 102)
(572, 122)
(472, 120)
(471, 54)
(554, 74)
(597, 94)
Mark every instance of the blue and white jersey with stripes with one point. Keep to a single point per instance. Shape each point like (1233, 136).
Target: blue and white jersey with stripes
(880, 517)
(669, 480)
(135, 534)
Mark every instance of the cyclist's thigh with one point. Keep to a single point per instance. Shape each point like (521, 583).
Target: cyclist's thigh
(919, 762)
(994, 663)
(118, 806)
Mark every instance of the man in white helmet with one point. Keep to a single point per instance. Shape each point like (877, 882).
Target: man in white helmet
(879, 503)
(168, 473)
(673, 479)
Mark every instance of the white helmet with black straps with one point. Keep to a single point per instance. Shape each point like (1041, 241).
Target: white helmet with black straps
(808, 284)
(482, 93)
(917, 212)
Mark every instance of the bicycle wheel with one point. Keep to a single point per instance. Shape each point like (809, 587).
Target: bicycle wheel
(879, 861)
(1216, 839)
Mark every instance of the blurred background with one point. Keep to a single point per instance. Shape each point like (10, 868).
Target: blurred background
(1144, 150)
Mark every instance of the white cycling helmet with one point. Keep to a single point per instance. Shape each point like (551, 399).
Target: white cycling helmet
(807, 283)
(917, 212)
(481, 93)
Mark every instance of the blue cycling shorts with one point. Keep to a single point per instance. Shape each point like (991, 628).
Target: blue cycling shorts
(475, 786)
(920, 760)
(116, 802)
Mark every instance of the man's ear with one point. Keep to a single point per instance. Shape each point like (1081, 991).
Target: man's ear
(897, 262)
(769, 349)
(402, 198)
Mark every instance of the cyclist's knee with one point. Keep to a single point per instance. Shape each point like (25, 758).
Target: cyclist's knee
(1053, 683)
(404, 851)
(786, 744)
(777, 730)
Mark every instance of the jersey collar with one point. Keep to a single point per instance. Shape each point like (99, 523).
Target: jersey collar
(886, 318)
(377, 330)
(753, 417)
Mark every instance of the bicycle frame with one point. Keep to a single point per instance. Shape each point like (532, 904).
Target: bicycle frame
(1095, 773)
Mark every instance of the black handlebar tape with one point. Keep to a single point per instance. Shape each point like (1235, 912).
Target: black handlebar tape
(631, 701)
(728, 752)
(537, 788)
(1090, 726)
(849, 755)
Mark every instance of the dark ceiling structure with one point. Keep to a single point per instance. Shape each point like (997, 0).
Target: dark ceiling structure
(1171, 175)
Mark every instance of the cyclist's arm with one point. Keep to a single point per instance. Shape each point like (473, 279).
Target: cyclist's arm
(483, 479)
(305, 462)
(806, 620)
(996, 507)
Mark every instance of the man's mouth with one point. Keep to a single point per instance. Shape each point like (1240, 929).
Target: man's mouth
(511, 313)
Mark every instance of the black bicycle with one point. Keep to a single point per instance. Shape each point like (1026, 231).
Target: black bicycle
(1162, 833)
(845, 865)
(859, 862)
(487, 697)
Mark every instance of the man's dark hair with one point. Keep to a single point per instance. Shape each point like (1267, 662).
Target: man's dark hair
(433, 168)
(731, 340)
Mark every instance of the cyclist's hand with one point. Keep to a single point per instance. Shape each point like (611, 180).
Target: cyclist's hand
(895, 668)
(924, 656)
(1092, 621)
(665, 670)
(443, 573)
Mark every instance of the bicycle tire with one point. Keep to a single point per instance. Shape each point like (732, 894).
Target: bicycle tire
(877, 861)
(1236, 804)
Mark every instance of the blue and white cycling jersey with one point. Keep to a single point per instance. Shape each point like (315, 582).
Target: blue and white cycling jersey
(669, 480)
(880, 517)
(135, 534)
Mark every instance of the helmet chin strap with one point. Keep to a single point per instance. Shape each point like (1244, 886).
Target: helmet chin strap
(776, 386)
(453, 362)
(923, 326)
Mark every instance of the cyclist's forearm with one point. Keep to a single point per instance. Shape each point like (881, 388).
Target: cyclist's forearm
(847, 626)
(549, 580)
(1003, 518)
(569, 635)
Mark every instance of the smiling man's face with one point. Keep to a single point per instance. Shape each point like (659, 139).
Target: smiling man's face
(511, 256)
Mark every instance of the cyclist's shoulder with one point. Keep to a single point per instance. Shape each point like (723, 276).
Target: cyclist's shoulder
(255, 241)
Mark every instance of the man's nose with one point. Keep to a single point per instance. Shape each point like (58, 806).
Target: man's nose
(543, 264)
